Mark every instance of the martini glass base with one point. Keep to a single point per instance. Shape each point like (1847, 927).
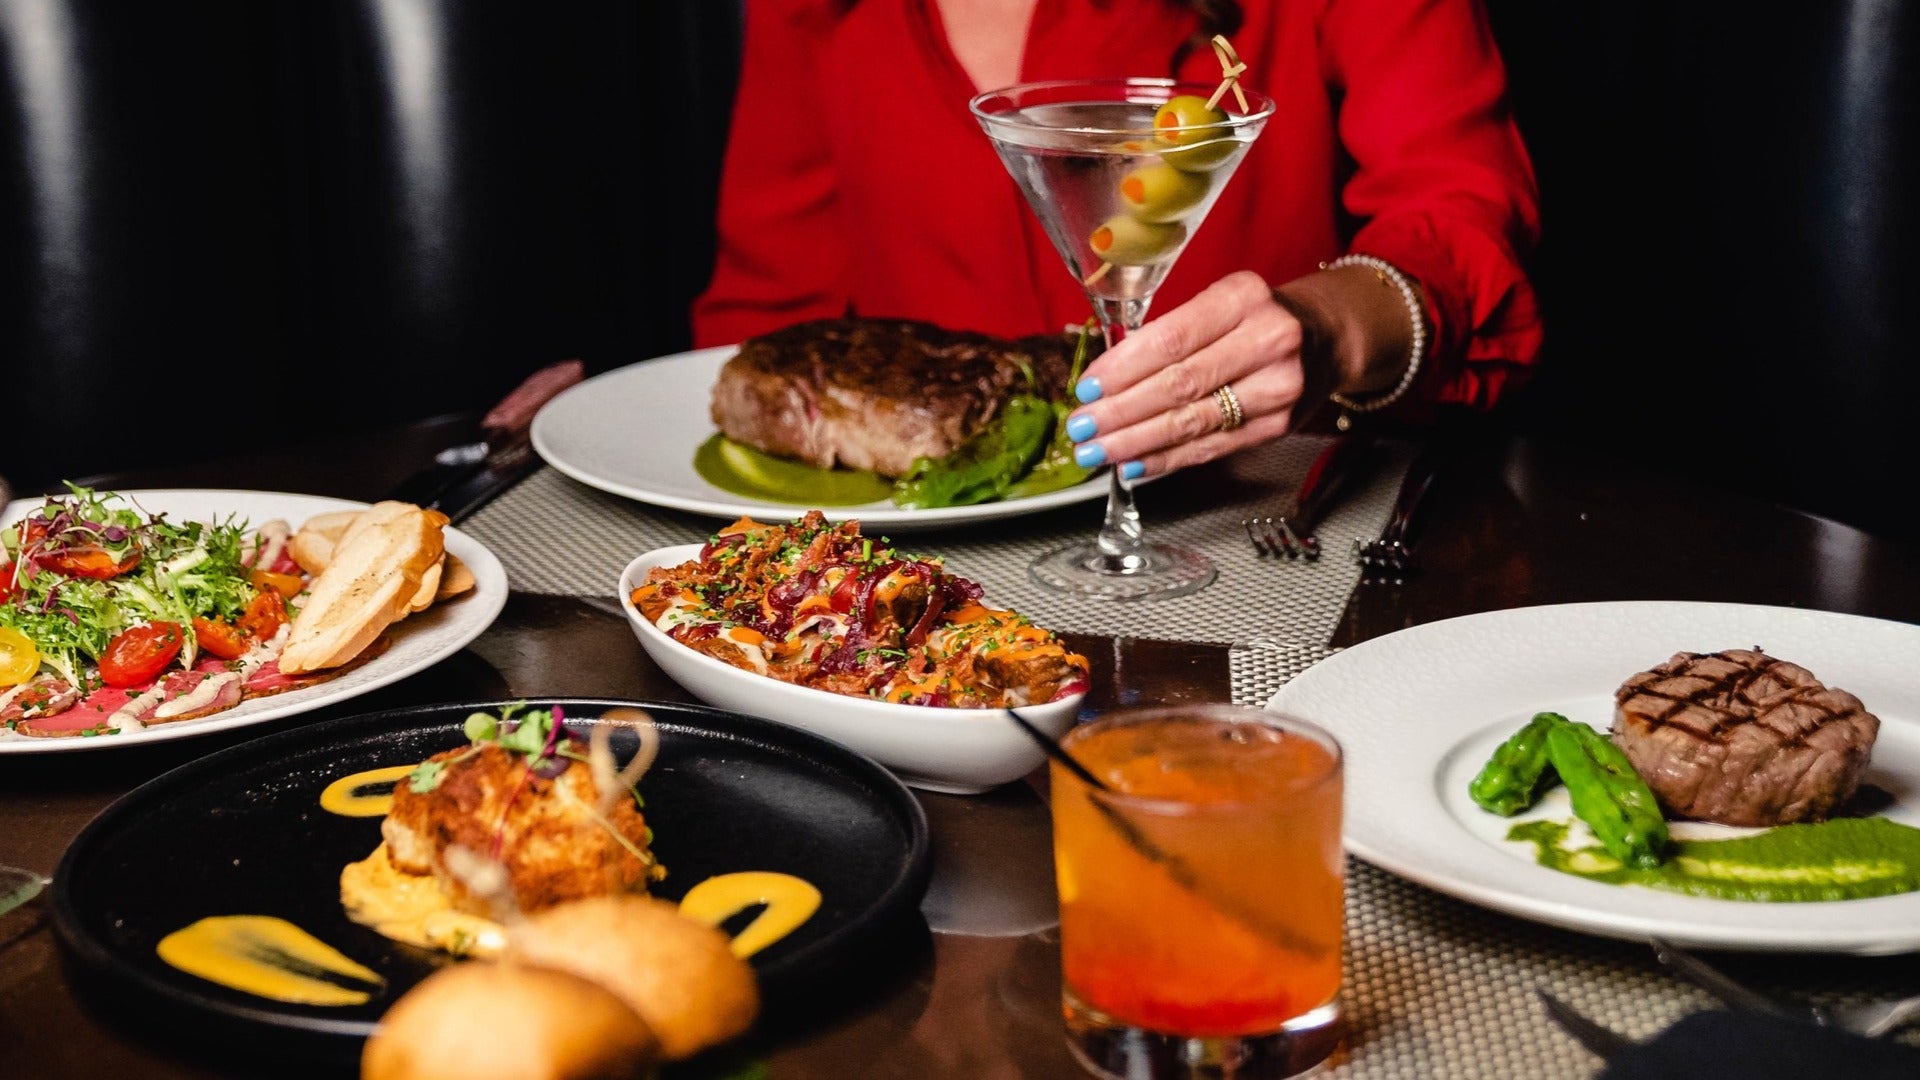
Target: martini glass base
(1153, 572)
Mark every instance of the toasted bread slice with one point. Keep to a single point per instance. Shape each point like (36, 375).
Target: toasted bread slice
(455, 578)
(369, 584)
(429, 586)
(312, 546)
(378, 514)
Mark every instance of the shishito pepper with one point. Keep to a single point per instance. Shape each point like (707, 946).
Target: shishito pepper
(1608, 794)
(1514, 776)
(986, 465)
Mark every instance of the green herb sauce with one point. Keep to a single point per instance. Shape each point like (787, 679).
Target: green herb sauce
(742, 470)
(1842, 859)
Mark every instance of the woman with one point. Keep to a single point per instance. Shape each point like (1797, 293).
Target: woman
(857, 180)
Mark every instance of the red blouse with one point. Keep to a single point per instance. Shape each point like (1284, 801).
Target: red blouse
(857, 180)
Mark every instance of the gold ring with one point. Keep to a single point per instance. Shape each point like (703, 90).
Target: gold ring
(1231, 415)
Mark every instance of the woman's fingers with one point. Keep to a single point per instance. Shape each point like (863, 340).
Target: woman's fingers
(1158, 408)
(1177, 334)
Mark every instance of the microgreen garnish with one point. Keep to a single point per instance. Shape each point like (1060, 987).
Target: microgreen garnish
(426, 777)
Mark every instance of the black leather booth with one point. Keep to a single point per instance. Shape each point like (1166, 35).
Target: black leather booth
(234, 220)
(225, 221)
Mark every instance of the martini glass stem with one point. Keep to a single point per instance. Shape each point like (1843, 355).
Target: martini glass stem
(1123, 547)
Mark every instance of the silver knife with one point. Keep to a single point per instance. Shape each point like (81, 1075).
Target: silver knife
(465, 476)
(1331, 473)
(1712, 980)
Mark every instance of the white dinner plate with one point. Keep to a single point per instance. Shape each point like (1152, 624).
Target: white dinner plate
(1419, 711)
(633, 431)
(419, 641)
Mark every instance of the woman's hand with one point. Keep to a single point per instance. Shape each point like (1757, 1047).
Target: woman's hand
(1151, 404)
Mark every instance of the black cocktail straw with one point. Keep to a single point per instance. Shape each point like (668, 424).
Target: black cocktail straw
(1058, 753)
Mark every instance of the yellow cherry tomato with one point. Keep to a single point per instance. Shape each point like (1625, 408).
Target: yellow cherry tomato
(19, 660)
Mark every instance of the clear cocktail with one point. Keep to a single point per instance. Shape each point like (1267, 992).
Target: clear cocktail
(1120, 173)
(1218, 937)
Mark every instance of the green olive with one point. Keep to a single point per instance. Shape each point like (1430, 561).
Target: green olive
(1125, 241)
(1193, 137)
(1161, 193)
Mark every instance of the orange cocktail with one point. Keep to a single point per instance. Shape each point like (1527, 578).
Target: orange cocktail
(1202, 897)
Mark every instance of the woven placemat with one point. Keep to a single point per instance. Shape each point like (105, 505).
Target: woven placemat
(558, 536)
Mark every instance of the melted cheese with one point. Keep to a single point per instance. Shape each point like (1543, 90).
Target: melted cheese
(790, 901)
(270, 958)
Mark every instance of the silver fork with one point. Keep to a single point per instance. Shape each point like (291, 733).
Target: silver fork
(1872, 1018)
(1275, 536)
(1292, 534)
(1389, 557)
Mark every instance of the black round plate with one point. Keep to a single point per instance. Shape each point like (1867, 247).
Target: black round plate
(241, 832)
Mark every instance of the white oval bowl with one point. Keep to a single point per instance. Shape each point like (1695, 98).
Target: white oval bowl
(962, 751)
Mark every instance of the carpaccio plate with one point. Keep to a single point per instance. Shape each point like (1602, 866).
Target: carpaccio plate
(415, 643)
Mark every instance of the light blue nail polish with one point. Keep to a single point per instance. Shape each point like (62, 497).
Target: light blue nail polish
(1090, 455)
(1081, 428)
(1087, 390)
(1133, 470)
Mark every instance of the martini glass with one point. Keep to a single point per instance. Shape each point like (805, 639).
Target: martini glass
(1119, 198)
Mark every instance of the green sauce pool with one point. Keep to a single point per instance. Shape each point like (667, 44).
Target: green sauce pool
(742, 470)
(1842, 859)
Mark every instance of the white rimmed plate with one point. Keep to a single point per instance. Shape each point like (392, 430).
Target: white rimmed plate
(1420, 710)
(419, 641)
(633, 431)
(963, 751)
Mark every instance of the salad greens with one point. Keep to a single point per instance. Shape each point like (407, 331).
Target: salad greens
(1023, 451)
(178, 570)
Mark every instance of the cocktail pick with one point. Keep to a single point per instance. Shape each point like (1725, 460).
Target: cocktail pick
(1231, 68)
(1177, 868)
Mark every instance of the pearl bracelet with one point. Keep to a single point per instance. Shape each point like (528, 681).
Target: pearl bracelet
(1389, 275)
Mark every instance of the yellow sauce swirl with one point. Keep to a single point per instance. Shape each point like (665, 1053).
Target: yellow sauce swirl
(412, 908)
(790, 901)
(348, 798)
(270, 958)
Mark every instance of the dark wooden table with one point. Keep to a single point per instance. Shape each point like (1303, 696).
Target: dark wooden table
(974, 994)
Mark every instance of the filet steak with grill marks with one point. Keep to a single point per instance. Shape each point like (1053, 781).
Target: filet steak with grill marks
(1743, 738)
(878, 393)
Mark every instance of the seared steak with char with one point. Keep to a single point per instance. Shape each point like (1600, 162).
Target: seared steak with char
(876, 394)
(1742, 738)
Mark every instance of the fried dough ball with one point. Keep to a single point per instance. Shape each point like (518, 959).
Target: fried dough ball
(680, 975)
(484, 1021)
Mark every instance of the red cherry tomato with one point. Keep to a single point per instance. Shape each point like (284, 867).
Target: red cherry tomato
(138, 654)
(89, 561)
(221, 639)
(264, 616)
(6, 580)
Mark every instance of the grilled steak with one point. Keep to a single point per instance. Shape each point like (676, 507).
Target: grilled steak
(876, 394)
(1742, 738)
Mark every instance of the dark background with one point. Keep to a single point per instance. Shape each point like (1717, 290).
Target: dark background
(231, 221)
